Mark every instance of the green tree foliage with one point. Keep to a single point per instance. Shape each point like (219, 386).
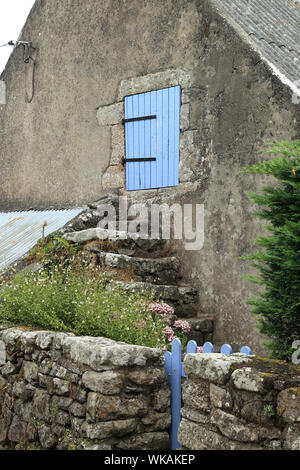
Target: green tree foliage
(278, 260)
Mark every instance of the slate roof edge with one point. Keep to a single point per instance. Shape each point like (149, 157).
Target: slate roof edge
(255, 48)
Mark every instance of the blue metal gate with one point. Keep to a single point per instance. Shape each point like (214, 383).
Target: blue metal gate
(152, 131)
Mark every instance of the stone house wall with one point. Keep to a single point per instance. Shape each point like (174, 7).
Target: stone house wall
(240, 403)
(58, 391)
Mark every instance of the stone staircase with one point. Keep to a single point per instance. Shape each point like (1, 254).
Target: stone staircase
(154, 265)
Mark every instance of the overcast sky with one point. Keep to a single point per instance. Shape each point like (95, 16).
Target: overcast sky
(13, 14)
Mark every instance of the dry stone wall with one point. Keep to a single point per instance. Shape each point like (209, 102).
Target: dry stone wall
(239, 403)
(58, 391)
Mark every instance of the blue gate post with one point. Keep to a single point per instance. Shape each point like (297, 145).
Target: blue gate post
(174, 370)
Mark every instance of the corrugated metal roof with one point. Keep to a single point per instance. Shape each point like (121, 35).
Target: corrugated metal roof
(274, 26)
(19, 231)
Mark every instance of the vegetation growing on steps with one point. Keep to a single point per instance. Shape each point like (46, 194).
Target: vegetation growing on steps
(278, 262)
(71, 293)
(52, 251)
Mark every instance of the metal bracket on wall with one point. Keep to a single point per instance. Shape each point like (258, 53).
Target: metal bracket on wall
(26, 59)
(147, 159)
(142, 118)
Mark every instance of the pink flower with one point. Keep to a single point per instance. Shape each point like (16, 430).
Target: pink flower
(199, 349)
(163, 309)
(183, 325)
(169, 333)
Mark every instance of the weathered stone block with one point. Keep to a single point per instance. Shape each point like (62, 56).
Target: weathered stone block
(190, 159)
(273, 445)
(78, 393)
(61, 402)
(11, 335)
(184, 117)
(76, 424)
(114, 177)
(117, 144)
(78, 409)
(102, 406)
(268, 433)
(161, 399)
(255, 411)
(213, 367)
(46, 366)
(97, 355)
(205, 325)
(194, 436)
(61, 417)
(47, 437)
(44, 339)
(291, 436)
(107, 383)
(158, 270)
(23, 410)
(91, 446)
(9, 369)
(54, 385)
(107, 429)
(23, 390)
(233, 428)
(62, 373)
(185, 97)
(288, 405)
(194, 415)
(3, 384)
(219, 397)
(196, 395)
(250, 380)
(105, 407)
(28, 338)
(147, 376)
(146, 441)
(155, 81)
(31, 371)
(110, 115)
(17, 430)
(41, 405)
(155, 421)
(82, 236)
(3, 429)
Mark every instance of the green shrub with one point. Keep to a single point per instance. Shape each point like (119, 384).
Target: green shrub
(278, 262)
(63, 300)
(53, 250)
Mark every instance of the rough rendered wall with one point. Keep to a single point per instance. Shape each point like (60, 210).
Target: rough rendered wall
(58, 391)
(239, 403)
(52, 151)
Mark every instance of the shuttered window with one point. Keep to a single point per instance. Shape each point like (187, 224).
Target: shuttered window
(152, 130)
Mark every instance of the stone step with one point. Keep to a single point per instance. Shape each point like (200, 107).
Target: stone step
(184, 299)
(202, 328)
(157, 271)
(125, 243)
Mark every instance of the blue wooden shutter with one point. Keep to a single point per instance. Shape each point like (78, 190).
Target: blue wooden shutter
(155, 137)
